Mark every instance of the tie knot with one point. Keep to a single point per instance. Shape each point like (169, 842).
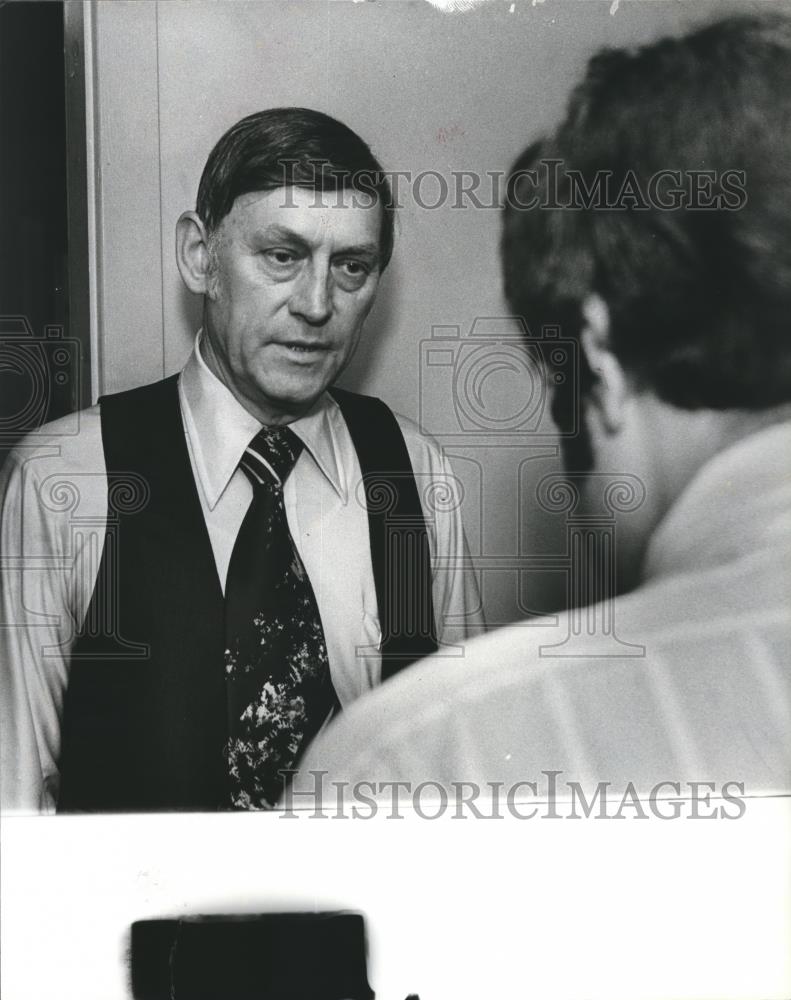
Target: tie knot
(272, 450)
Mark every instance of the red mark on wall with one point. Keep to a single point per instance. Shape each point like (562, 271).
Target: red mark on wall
(450, 133)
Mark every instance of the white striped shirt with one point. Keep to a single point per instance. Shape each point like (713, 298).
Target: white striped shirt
(710, 699)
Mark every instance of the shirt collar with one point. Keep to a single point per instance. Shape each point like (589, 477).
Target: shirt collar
(220, 428)
(738, 504)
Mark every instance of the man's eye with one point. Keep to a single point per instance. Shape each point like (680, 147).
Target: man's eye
(351, 274)
(354, 267)
(282, 258)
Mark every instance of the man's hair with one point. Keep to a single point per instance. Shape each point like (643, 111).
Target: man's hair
(699, 298)
(292, 147)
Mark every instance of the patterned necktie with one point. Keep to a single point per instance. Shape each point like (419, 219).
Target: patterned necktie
(276, 669)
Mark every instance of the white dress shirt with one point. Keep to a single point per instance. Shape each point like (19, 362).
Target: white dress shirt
(708, 699)
(54, 506)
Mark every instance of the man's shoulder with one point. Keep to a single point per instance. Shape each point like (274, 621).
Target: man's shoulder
(511, 663)
(55, 470)
(506, 698)
(70, 443)
(425, 453)
(447, 687)
(419, 441)
(74, 442)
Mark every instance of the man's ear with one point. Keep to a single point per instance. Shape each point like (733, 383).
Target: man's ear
(192, 253)
(611, 387)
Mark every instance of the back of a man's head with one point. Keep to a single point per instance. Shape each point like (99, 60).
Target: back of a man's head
(687, 238)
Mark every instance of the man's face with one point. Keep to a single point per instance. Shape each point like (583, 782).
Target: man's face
(295, 274)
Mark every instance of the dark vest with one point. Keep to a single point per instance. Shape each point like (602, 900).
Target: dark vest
(144, 715)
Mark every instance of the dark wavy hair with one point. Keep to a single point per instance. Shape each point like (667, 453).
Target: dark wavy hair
(699, 299)
(294, 147)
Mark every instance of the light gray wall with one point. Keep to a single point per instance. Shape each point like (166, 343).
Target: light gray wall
(428, 91)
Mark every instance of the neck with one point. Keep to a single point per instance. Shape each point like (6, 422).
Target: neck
(682, 441)
(666, 447)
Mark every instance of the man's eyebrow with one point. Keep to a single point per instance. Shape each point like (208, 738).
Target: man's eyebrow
(278, 232)
(361, 250)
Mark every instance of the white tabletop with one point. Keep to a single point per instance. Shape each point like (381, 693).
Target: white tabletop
(455, 908)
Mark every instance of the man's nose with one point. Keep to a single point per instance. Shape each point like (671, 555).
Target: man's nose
(312, 297)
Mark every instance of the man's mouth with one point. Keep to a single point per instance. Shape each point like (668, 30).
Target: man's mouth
(305, 347)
